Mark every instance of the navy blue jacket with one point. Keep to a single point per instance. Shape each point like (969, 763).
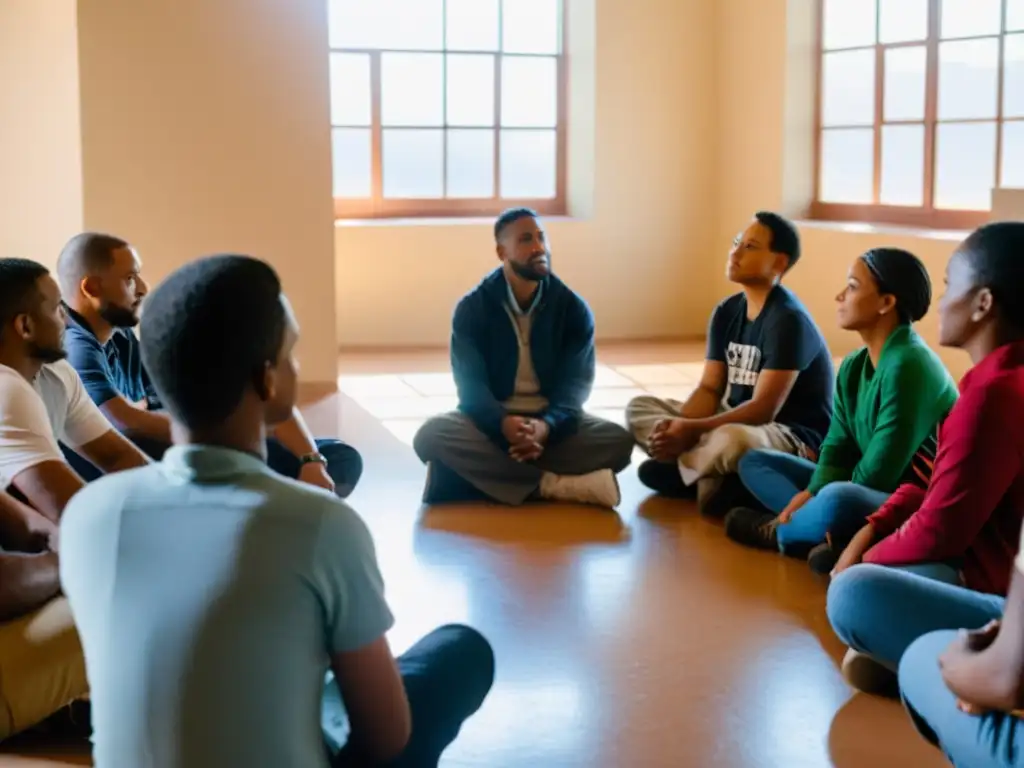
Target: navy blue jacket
(485, 354)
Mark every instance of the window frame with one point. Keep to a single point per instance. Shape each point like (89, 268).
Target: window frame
(925, 215)
(379, 207)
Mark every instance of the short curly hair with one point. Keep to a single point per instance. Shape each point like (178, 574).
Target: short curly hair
(207, 333)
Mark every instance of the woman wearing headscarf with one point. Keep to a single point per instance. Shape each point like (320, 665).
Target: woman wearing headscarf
(890, 396)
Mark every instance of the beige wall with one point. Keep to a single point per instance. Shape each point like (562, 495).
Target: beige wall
(640, 256)
(765, 158)
(205, 128)
(40, 150)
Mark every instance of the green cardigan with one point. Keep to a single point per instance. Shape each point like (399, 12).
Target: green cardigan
(881, 417)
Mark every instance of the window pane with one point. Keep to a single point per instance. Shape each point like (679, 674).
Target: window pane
(902, 165)
(905, 83)
(1013, 155)
(1015, 15)
(848, 88)
(529, 92)
(530, 26)
(353, 174)
(849, 23)
(971, 18)
(470, 163)
(847, 165)
(965, 165)
(413, 163)
(968, 79)
(1013, 83)
(350, 89)
(472, 25)
(411, 89)
(470, 89)
(528, 164)
(370, 24)
(903, 21)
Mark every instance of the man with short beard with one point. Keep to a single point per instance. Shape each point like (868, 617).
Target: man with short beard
(42, 400)
(103, 289)
(522, 353)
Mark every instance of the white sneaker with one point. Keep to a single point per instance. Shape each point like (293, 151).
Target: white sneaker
(598, 488)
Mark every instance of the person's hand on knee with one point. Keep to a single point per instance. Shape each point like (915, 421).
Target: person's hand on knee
(671, 438)
(855, 550)
(795, 505)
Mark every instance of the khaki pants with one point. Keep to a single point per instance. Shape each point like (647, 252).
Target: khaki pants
(719, 451)
(42, 668)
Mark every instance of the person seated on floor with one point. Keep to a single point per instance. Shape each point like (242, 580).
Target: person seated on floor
(767, 363)
(42, 400)
(211, 593)
(963, 530)
(42, 670)
(522, 353)
(890, 395)
(964, 690)
(102, 285)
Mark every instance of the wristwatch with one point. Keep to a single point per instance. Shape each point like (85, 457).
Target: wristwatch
(312, 458)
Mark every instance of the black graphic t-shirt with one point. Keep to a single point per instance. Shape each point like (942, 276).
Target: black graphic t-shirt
(782, 338)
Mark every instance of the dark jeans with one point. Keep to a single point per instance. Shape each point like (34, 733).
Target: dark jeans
(344, 464)
(447, 675)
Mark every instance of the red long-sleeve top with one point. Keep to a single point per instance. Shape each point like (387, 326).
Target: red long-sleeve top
(974, 506)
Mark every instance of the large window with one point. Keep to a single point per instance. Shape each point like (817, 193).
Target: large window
(447, 107)
(921, 109)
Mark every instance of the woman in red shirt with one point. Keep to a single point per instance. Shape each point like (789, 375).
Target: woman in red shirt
(964, 529)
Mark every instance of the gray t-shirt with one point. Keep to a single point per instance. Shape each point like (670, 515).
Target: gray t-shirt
(209, 593)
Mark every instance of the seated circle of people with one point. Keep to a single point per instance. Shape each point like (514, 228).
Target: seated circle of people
(943, 558)
(523, 358)
(212, 594)
(890, 396)
(767, 381)
(103, 290)
(42, 401)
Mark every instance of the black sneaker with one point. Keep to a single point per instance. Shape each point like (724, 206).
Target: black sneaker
(665, 479)
(822, 559)
(752, 528)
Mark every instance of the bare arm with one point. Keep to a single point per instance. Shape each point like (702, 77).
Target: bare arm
(23, 528)
(374, 697)
(132, 420)
(295, 435)
(706, 399)
(26, 582)
(112, 452)
(770, 393)
(49, 486)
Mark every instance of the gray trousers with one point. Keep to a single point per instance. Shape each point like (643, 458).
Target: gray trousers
(454, 440)
(719, 451)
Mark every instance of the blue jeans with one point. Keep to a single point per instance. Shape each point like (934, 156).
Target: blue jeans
(344, 464)
(880, 611)
(840, 509)
(989, 741)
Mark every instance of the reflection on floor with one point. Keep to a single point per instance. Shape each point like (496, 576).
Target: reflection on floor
(637, 640)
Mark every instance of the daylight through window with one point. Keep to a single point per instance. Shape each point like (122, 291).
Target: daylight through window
(447, 107)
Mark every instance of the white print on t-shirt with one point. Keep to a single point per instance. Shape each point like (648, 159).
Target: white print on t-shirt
(744, 364)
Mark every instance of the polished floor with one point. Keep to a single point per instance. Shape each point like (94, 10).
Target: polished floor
(641, 639)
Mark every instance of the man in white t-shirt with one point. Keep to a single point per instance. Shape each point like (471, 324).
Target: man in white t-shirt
(42, 403)
(42, 400)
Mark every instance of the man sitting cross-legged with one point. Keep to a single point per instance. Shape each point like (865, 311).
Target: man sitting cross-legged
(42, 400)
(211, 593)
(42, 671)
(522, 353)
(103, 289)
(767, 363)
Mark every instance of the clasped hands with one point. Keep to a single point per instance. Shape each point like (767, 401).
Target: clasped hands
(671, 438)
(526, 437)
